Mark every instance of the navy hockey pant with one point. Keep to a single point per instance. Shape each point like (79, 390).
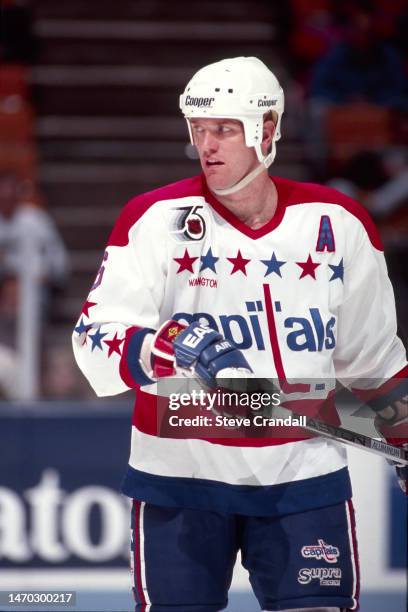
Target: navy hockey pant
(183, 559)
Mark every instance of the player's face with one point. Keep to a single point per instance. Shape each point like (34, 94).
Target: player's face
(224, 156)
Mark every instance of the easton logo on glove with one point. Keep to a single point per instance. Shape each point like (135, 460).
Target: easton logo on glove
(206, 352)
(193, 339)
(198, 349)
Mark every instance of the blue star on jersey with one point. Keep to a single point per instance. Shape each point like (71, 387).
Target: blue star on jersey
(208, 261)
(96, 339)
(273, 265)
(82, 328)
(338, 271)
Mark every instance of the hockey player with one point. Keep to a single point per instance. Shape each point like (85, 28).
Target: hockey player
(235, 273)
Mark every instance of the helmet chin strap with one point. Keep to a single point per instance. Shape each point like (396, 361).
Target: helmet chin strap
(265, 163)
(242, 183)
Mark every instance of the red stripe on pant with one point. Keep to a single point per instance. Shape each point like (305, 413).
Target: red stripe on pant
(354, 552)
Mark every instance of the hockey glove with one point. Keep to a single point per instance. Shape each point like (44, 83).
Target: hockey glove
(392, 424)
(196, 350)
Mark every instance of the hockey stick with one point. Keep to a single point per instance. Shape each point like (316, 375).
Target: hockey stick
(379, 447)
(358, 440)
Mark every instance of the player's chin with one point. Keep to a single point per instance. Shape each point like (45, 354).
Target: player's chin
(216, 180)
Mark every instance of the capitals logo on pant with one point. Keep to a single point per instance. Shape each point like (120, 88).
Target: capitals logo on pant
(321, 550)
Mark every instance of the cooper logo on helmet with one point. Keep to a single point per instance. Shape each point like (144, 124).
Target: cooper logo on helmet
(199, 102)
(266, 102)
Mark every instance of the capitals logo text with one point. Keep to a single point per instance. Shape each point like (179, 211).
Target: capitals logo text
(311, 333)
(321, 550)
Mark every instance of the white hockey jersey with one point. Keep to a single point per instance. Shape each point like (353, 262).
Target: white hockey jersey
(306, 296)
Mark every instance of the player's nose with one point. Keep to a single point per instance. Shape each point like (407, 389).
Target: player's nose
(209, 143)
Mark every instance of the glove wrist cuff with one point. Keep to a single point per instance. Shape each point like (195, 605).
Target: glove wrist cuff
(162, 349)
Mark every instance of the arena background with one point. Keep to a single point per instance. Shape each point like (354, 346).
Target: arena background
(88, 118)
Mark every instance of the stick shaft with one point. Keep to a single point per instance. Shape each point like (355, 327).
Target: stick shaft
(399, 455)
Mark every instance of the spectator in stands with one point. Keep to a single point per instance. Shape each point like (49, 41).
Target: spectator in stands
(360, 175)
(314, 31)
(21, 219)
(380, 182)
(9, 363)
(29, 241)
(361, 67)
(61, 379)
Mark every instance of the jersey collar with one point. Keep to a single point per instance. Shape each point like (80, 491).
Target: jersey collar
(228, 216)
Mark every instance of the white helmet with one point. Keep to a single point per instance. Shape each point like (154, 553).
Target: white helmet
(241, 88)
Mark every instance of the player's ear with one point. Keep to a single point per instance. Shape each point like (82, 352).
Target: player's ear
(267, 133)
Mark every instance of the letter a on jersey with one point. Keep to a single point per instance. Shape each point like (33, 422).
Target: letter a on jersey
(325, 239)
